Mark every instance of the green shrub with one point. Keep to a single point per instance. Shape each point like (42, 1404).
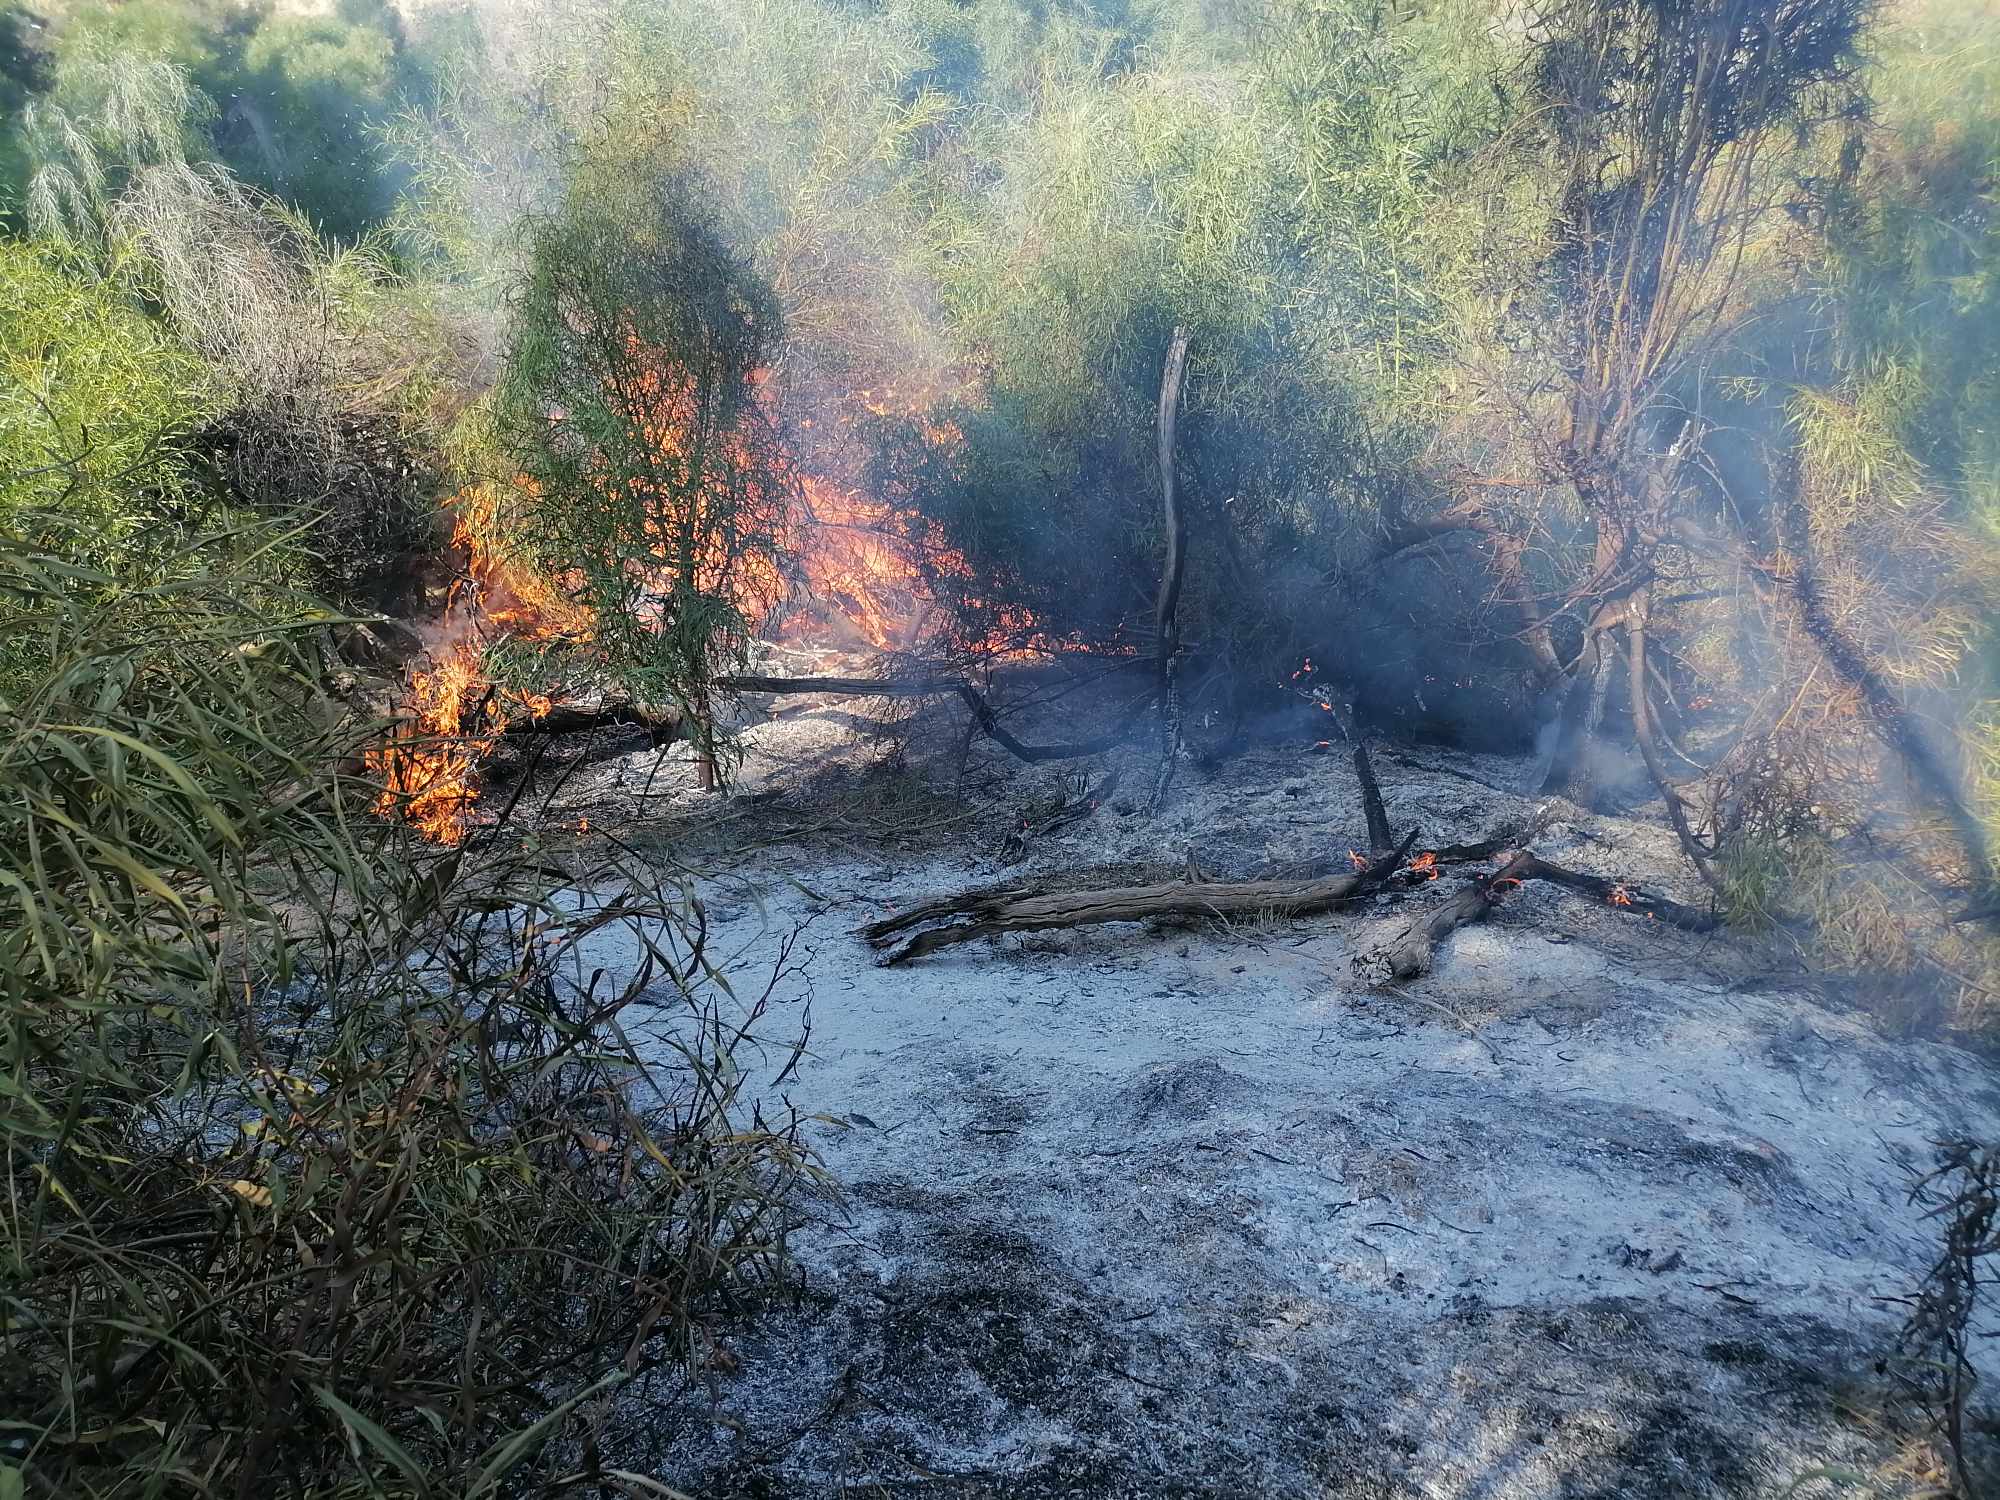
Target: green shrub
(97, 407)
(630, 407)
(331, 1169)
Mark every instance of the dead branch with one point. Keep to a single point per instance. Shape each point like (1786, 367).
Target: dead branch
(980, 914)
(1166, 619)
(1014, 847)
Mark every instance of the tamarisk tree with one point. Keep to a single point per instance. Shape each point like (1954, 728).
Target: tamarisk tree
(654, 485)
(1671, 125)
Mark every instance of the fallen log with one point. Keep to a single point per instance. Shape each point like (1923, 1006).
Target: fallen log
(978, 914)
(1409, 953)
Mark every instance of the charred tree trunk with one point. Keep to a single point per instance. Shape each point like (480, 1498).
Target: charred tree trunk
(951, 920)
(1637, 619)
(1167, 611)
(1380, 839)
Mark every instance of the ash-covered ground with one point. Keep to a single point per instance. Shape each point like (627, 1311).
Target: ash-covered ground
(1594, 1208)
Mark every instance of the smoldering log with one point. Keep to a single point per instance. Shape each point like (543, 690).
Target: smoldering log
(977, 914)
(1618, 895)
(1409, 953)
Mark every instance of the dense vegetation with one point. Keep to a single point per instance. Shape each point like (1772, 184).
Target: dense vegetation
(1618, 375)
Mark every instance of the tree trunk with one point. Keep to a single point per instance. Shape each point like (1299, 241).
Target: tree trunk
(1166, 620)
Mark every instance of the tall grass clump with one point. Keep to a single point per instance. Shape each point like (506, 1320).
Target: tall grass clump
(333, 1166)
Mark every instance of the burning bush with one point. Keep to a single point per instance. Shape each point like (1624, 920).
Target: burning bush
(654, 482)
(328, 1163)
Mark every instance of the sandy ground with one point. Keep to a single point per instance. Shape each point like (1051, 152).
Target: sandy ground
(1594, 1208)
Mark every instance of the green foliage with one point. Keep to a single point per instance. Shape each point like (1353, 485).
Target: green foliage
(630, 407)
(1910, 265)
(98, 404)
(294, 103)
(329, 1167)
(313, 91)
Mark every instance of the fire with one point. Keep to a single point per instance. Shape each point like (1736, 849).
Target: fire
(857, 557)
(850, 562)
(1359, 860)
(1425, 864)
(1619, 896)
(428, 770)
(427, 773)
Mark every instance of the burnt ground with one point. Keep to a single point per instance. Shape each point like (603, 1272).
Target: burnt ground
(1594, 1208)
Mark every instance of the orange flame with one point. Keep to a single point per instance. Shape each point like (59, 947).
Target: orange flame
(1359, 860)
(1425, 864)
(856, 555)
(1619, 896)
(427, 772)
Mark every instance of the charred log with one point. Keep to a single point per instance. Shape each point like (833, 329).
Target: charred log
(979, 914)
(1409, 953)
(1617, 895)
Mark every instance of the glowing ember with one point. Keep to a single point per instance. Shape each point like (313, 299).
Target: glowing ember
(1425, 864)
(1359, 859)
(1619, 896)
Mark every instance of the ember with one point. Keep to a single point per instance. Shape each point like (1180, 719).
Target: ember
(1425, 865)
(1619, 896)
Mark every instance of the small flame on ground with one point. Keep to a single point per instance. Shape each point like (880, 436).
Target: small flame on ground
(1360, 860)
(1619, 895)
(1425, 864)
